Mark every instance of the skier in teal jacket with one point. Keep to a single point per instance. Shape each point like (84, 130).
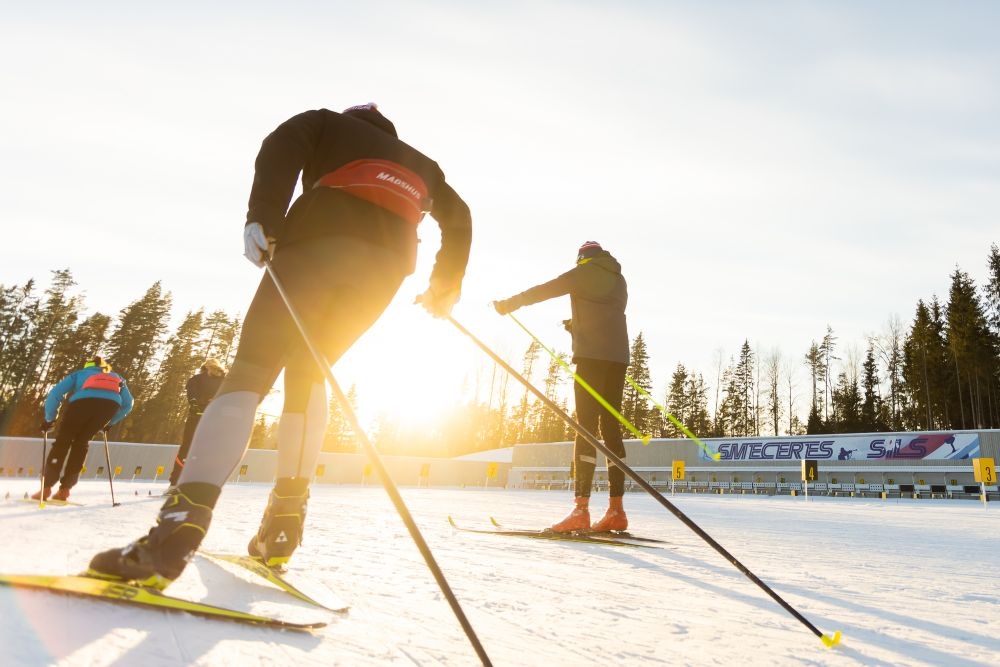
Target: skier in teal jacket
(97, 399)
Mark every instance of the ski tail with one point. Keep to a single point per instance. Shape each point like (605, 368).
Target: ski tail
(277, 577)
(123, 593)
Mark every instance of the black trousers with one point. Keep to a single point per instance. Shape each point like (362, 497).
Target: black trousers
(189, 427)
(84, 417)
(607, 378)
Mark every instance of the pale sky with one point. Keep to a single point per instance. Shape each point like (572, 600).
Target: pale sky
(761, 170)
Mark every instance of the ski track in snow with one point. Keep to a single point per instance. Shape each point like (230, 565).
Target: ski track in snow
(906, 582)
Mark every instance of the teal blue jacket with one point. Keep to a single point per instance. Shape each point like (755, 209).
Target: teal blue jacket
(83, 384)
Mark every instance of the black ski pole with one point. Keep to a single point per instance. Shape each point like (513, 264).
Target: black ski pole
(376, 461)
(45, 445)
(107, 460)
(637, 478)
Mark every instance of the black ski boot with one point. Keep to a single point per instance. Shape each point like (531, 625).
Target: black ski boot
(158, 558)
(280, 530)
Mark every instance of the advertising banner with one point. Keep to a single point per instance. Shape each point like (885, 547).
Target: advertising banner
(907, 446)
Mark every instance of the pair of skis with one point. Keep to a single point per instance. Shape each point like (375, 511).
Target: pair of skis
(125, 593)
(612, 538)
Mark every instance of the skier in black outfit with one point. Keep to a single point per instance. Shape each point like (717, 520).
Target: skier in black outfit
(341, 252)
(96, 399)
(200, 389)
(598, 295)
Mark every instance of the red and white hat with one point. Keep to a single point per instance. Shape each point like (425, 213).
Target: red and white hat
(588, 249)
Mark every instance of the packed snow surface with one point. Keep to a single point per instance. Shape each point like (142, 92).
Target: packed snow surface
(907, 582)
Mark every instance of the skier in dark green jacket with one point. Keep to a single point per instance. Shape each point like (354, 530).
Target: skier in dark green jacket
(598, 295)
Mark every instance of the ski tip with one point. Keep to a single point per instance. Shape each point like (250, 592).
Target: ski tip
(717, 456)
(646, 439)
(829, 641)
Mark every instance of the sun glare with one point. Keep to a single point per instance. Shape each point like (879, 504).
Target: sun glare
(407, 369)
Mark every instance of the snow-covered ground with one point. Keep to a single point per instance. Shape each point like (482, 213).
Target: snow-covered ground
(906, 582)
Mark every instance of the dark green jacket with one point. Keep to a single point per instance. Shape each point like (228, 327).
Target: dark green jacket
(598, 295)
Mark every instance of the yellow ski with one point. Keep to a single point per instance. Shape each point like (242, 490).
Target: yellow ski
(114, 591)
(270, 574)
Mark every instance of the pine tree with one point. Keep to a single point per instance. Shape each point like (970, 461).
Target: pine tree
(772, 389)
(890, 351)
(339, 435)
(264, 434)
(827, 357)
(161, 417)
(48, 324)
(136, 341)
(973, 349)
(992, 290)
(550, 426)
(219, 334)
(520, 426)
(814, 360)
(871, 401)
(698, 421)
(723, 413)
(740, 394)
(677, 403)
(635, 405)
(925, 369)
(846, 403)
(16, 306)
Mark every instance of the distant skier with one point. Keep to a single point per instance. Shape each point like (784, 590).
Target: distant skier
(97, 399)
(341, 252)
(200, 389)
(598, 295)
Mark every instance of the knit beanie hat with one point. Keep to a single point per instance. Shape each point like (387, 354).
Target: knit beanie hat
(369, 112)
(588, 250)
(98, 360)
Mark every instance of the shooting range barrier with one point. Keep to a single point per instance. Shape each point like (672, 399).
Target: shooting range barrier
(913, 465)
(19, 457)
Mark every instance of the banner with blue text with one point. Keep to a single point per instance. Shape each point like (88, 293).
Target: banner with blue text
(911, 446)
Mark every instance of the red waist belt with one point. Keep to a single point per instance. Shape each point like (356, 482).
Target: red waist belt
(383, 183)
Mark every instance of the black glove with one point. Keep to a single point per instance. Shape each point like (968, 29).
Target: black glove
(504, 306)
(46, 425)
(568, 325)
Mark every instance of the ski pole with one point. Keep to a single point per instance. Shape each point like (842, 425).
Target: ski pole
(676, 422)
(107, 460)
(659, 497)
(645, 437)
(45, 444)
(376, 461)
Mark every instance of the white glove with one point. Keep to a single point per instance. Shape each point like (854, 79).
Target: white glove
(438, 301)
(256, 245)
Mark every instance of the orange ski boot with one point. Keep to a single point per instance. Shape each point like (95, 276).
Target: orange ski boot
(578, 519)
(614, 518)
